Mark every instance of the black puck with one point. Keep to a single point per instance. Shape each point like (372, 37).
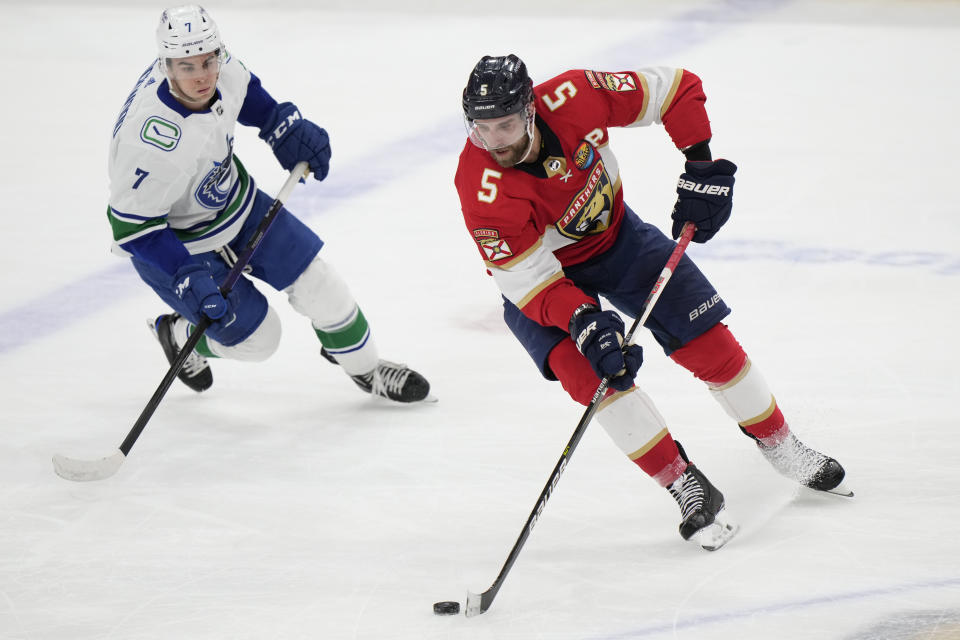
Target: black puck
(448, 608)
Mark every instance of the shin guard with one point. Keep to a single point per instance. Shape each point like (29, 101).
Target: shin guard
(637, 428)
(718, 359)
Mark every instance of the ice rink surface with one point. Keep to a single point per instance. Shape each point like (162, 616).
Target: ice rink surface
(285, 504)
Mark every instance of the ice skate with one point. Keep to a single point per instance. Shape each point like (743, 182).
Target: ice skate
(795, 460)
(701, 505)
(392, 381)
(196, 372)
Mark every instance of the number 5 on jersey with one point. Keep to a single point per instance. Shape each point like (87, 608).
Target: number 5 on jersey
(488, 191)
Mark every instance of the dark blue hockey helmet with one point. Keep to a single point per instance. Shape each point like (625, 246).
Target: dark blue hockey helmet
(498, 86)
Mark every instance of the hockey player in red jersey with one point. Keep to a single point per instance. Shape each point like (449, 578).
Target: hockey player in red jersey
(541, 195)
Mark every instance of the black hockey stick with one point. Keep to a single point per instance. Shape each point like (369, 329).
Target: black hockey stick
(479, 603)
(83, 470)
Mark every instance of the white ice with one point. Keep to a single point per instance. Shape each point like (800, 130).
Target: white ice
(283, 503)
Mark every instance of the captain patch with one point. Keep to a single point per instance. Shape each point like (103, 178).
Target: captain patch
(494, 247)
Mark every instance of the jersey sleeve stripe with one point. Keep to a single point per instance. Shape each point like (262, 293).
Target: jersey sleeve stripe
(645, 87)
(677, 75)
(540, 287)
(126, 227)
(509, 264)
(528, 277)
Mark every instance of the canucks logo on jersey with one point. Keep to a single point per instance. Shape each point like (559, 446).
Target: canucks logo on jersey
(210, 193)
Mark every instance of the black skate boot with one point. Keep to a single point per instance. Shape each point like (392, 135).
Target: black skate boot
(390, 380)
(798, 462)
(196, 372)
(700, 506)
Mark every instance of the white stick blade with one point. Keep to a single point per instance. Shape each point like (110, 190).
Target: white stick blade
(472, 607)
(87, 470)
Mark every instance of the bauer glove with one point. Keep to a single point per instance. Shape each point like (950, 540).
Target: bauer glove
(704, 197)
(599, 337)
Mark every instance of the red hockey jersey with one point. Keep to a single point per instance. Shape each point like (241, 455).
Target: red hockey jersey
(531, 220)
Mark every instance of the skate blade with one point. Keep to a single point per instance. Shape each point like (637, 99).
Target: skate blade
(841, 490)
(716, 535)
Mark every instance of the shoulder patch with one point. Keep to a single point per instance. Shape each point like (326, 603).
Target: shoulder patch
(583, 156)
(493, 246)
(160, 133)
(621, 81)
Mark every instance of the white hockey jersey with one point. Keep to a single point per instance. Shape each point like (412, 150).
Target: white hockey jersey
(172, 167)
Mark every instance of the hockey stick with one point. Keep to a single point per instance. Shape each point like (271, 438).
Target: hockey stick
(84, 470)
(479, 603)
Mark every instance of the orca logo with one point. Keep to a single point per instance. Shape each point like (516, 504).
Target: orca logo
(214, 189)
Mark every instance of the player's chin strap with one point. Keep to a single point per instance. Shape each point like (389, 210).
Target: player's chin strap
(478, 603)
(530, 127)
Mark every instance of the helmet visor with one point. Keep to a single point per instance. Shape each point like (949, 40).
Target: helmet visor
(497, 133)
(194, 67)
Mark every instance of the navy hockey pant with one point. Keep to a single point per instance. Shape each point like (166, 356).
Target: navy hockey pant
(284, 253)
(624, 274)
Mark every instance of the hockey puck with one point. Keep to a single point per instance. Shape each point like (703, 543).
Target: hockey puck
(448, 608)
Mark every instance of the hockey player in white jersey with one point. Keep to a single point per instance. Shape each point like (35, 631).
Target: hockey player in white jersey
(182, 206)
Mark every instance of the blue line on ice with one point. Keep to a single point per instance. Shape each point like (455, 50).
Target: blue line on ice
(741, 614)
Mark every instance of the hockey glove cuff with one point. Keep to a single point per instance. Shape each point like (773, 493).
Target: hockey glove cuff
(704, 197)
(293, 138)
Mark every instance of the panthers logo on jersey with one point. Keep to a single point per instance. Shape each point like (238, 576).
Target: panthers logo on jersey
(589, 211)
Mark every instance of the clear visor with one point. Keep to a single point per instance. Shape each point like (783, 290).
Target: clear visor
(195, 67)
(497, 133)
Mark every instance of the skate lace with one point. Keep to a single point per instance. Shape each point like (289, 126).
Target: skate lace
(389, 378)
(194, 364)
(794, 459)
(689, 494)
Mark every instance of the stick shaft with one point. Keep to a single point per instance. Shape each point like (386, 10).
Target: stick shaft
(228, 283)
(475, 607)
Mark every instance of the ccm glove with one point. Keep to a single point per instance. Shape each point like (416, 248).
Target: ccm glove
(195, 286)
(704, 197)
(294, 138)
(599, 337)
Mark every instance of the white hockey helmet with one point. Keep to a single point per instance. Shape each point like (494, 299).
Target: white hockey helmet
(187, 30)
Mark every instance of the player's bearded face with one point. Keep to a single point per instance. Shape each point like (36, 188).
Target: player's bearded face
(507, 139)
(194, 79)
(511, 154)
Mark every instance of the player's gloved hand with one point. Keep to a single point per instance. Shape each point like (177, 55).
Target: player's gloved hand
(194, 284)
(599, 337)
(293, 138)
(704, 197)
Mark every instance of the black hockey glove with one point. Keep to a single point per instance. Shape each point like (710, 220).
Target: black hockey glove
(294, 138)
(599, 337)
(704, 197)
